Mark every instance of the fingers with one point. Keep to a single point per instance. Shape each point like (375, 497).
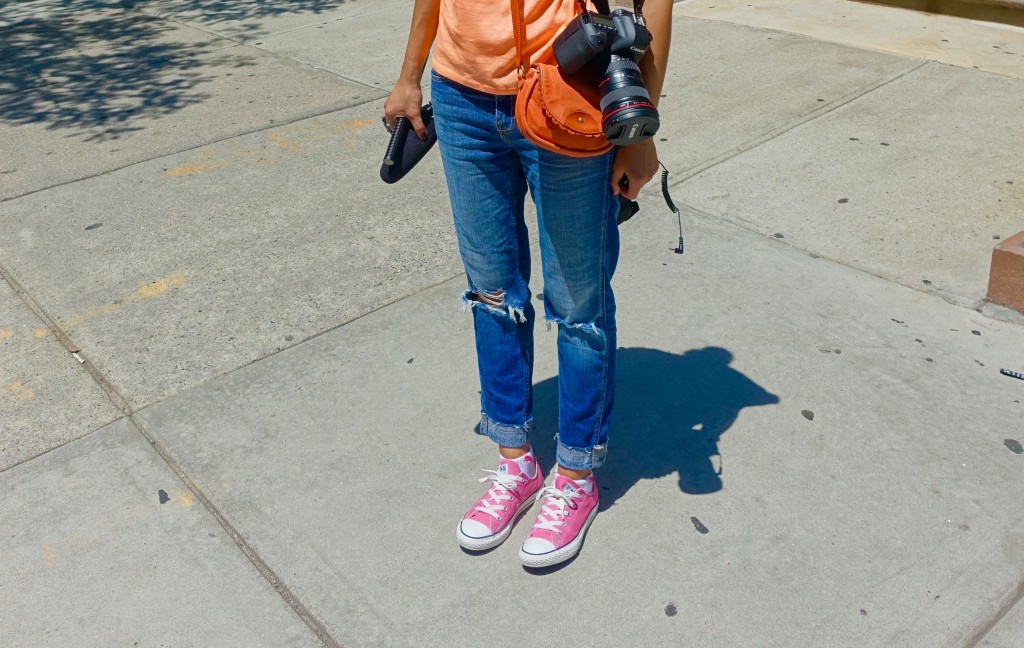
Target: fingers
(417, 125)
(416, 121)
(404, 101)
(627, 185)
(619, 179)
(630, 184)
(390, 115)
(632, 169)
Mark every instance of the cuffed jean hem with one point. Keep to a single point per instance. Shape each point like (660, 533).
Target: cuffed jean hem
(581, 458)
(510, 436)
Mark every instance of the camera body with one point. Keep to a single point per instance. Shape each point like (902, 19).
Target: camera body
(615, 44)
(589, 35)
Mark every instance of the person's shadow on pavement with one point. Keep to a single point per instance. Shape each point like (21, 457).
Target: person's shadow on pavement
(670, 411)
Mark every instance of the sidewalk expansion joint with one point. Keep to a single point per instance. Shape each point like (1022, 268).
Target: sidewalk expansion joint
(1011, 600)
(792, 124)
(122, 404)
(292, 601)
(66, 341)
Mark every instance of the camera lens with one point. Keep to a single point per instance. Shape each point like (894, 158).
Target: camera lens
(629, 117)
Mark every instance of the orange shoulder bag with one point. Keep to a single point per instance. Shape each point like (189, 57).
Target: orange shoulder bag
(558, 112)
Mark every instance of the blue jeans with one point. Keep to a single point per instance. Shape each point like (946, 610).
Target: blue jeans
(489, 166)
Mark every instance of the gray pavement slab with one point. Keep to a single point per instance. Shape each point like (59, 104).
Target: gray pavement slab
(1009, 632)
(103, 547)
(362, 46)
(803, 455)
(251, 20)
(46, 398)
(915, 182)
(947, 39)
(729, 85)
(89, 91)
(173, 271)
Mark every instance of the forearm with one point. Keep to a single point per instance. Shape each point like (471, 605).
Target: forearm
(425, 16)
(659, 21)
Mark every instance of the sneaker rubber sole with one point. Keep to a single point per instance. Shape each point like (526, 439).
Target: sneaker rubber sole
(488, 542)
(558, 555)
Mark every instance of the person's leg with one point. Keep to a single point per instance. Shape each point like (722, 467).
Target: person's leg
(579, 245)
(487, 187)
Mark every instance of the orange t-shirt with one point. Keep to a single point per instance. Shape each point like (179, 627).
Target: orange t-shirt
(476, 46)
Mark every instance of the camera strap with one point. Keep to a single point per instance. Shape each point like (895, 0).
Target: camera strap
(681, 246)
(638, 5)
(604, 9)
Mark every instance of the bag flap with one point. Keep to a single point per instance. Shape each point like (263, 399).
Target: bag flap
(570, 102)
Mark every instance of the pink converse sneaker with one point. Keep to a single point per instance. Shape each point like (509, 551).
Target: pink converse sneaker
(491, 519)
(564, 518)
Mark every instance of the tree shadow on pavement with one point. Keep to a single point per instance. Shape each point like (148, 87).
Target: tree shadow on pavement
(670, 412)
(96, 69)
(233, 10)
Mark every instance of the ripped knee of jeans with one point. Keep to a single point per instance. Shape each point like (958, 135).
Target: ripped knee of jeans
(495, 302)
(577, 330)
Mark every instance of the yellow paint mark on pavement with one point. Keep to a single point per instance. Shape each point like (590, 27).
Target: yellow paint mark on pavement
(357, 125)
(160, 286)
(283, 142)
(40, 333)
(321, 130)
(16, 390)
(189, 169)
(228, 154)
(287, 140)
(204, 161)
(6, 334)
(184, 498)
(51, 558)
(145, 291)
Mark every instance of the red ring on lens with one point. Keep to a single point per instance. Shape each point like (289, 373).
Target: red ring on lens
(640, 104)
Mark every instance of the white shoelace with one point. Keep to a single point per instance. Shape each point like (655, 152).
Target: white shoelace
(555, 501)
(498, 492)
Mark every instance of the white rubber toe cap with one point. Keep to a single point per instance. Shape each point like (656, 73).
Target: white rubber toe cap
(537, 546)
(474, 529)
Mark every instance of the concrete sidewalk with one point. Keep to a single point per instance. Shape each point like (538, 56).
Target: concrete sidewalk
(238, 393)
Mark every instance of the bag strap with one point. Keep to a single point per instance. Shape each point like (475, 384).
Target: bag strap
(519, 29)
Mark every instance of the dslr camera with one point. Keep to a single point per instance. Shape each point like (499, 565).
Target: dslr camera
(613, 44)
